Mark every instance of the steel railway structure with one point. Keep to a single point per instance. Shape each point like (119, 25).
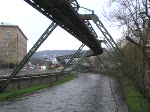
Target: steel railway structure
(65, 14)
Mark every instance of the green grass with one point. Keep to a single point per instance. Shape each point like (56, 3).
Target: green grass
(135, 100)
(20, 92)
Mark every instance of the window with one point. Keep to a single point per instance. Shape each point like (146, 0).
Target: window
(8, 34)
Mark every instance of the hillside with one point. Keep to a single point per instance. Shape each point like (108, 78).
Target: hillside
(52, 53)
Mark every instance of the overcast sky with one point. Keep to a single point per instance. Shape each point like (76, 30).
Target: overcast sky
(33, 23)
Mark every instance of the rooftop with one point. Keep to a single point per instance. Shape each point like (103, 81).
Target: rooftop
(5, 24)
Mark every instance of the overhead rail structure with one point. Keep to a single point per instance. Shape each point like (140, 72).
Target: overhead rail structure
(63, 14)
(110, 43)
(103, 30)
(43, 37)
(71, 58)
(80, 55)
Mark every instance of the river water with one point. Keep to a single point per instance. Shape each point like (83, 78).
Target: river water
(87, 93)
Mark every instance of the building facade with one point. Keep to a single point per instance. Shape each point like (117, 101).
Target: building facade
(13, 44)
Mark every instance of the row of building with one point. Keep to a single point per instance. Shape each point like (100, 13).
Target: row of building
(13, 44)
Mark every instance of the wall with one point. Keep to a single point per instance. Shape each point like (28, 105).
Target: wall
(13, 44)
(31, 80)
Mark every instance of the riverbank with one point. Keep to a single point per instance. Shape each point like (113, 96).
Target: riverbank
(135, 100)
(20, 92)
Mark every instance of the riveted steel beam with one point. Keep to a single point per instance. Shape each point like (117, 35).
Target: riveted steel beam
(43, 37)
(62, 13)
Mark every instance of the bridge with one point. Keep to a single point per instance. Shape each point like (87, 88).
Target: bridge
(90, 92)
(65, 14)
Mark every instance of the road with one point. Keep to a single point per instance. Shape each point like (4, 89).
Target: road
(87, 93)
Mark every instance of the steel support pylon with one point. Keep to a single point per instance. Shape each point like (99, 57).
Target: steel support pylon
(72, 58)
(89, 63)
(79, 60)
(106, 34)
(110, 41)
(43, 37)
(103, 62)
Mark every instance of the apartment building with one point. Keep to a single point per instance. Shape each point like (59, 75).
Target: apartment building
(13, 44)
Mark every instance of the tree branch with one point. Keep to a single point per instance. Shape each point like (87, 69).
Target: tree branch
(146, 8)
(132, 41)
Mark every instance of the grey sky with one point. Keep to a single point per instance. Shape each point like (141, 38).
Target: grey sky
(33, 23)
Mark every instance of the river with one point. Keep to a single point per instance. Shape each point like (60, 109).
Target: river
(87, 93)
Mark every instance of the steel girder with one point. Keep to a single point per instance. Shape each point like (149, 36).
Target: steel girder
(72, 58)
(110, 43)
(103, 62)
(43, 37)
(63, 14)
(84, 55)
(90, 63)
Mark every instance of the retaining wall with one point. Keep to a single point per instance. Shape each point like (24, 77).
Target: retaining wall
(32, 80)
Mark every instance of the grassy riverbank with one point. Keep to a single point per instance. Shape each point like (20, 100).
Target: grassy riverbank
(20, 92)
(135, 100)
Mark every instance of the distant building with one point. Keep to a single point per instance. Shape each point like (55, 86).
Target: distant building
(13, 44)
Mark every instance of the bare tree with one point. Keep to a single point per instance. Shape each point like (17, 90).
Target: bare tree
(134, 17)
